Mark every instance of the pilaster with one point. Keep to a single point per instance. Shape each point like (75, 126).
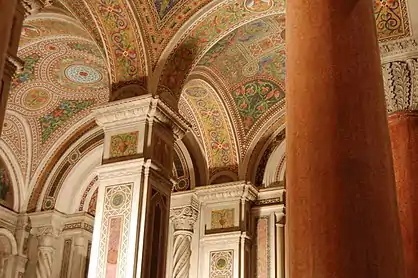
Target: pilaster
(225, 227)
(132, 216)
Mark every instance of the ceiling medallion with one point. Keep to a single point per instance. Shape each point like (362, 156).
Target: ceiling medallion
(36, 99)
(82, 74)
(258, 6)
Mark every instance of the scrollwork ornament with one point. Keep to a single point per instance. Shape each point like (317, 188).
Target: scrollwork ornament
(184, 218)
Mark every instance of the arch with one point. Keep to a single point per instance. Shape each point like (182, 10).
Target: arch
(77, 181)
(226, 17)
(11, 240)
(275, 167)
(219, 140)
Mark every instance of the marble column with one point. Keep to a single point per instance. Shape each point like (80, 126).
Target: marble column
(183, 219)
(402, 104)
(341, 204)
(133, 206)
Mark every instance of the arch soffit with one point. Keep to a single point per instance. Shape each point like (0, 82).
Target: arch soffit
(259, 144)
(25, 161)
(122, 39)
(188, 47)
(218, 136)
(69, 138)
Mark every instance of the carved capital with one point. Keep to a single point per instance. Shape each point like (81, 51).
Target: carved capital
(13, 65)
(48, 232)
(185, 217)
(393, 50)
(401, 85)
(33, 7)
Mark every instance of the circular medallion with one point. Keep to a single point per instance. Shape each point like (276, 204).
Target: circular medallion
(117, 200)
(49, 203)
(7, 125)
(36, 99)
(221, 263)
(82, 74)
(258, 6)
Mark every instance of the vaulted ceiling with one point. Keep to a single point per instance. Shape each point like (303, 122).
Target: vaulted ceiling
(223, 60)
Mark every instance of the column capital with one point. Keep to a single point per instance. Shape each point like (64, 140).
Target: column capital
(401, 85)
(129, 112)
(186, 216)
(33, 7)
(13, 65)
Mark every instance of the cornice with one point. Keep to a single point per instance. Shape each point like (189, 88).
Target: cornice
(227, 191)
(129, 112)
(399, 49)
(33, 7)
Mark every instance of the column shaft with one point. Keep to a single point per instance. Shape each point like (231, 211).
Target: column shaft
(342, 214)
(403, 127)
(182, 252)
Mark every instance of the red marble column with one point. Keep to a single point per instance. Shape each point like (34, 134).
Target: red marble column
(403, 127)
(342, 212)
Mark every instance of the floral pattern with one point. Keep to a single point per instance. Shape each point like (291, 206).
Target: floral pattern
(254, 98)
(57, 118)
(28, 70)
(124, 144)
(391, 19)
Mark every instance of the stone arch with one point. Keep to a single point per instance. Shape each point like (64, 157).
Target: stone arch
(8, 249)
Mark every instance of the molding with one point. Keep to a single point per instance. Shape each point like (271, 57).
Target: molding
(227, 191)
(400, 79)
(128, 112)
(399, 49)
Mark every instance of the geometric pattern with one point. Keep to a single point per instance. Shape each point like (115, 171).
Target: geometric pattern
(117, 205)
(221, 264)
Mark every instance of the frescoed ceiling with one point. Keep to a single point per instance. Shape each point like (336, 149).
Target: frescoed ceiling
(223, 59)
(64, 77)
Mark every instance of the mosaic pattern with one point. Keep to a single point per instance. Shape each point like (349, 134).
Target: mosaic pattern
(41, 89)
(74, 73)
(57, 118)
(221, 264)
(391, 19)
(124, 144)
(255, 98)
(86, 192)
(37, 29)
(221, 219)
(164, 6)
(28, 70)
(93, 203)
(114, 237)
(220, 148)
(82, 74)
(215, 26)
(123, 39)
(6, 187)
(36, 99)
(262, 248)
